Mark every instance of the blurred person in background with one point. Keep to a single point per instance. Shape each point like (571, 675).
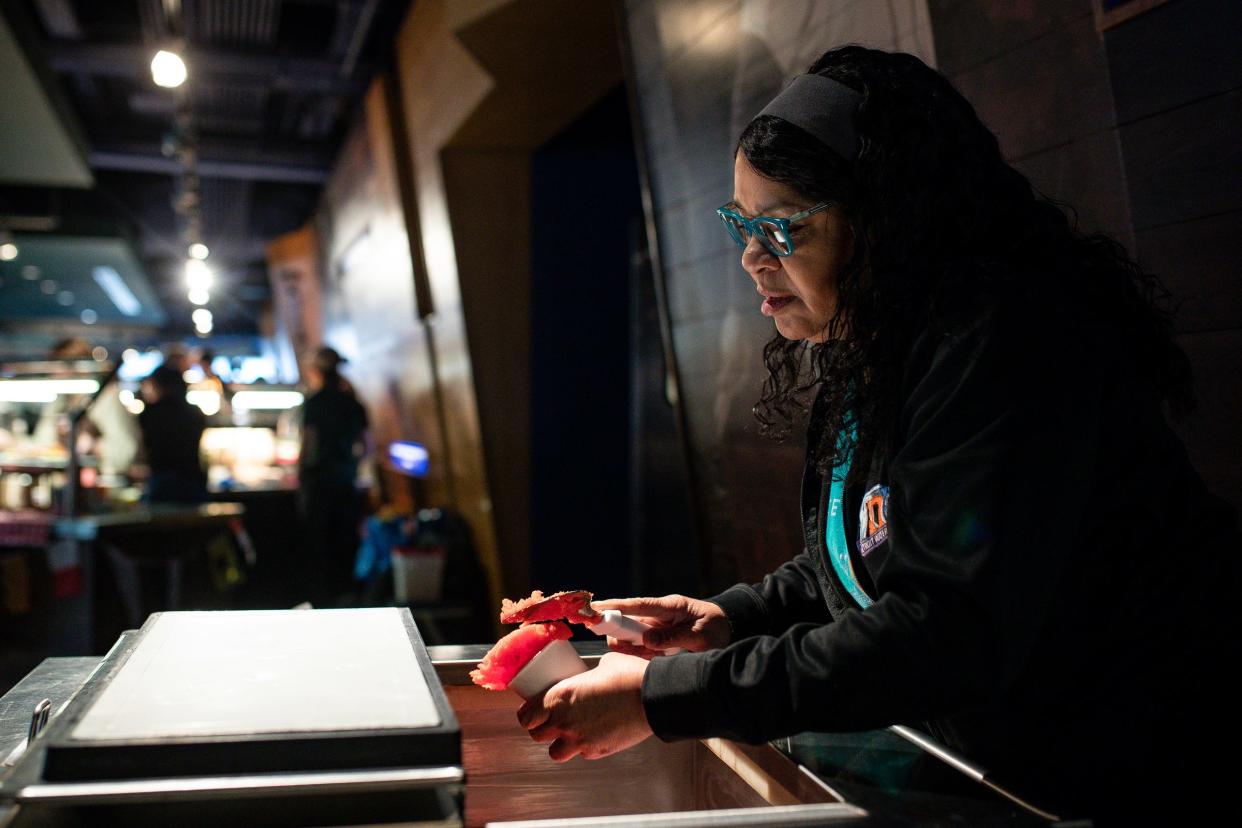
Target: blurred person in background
(334, 440)
(211, 381)
(111, 432)
(204, 361)
(177, 358)
(171, 431)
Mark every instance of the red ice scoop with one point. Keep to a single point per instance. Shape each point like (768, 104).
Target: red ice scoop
(575, 607)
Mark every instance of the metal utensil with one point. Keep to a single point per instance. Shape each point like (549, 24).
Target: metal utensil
(38, 720)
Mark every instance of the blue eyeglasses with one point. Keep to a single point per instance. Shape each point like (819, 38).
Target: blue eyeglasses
(773, 232)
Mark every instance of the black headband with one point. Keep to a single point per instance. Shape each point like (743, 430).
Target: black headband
(823, 107)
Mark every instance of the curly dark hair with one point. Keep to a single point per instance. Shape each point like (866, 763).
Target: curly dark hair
(940, 223)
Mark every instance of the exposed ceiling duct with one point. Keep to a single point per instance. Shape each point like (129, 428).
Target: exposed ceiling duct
(235, 156)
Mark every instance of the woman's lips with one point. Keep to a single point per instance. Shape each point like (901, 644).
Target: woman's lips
(772, 305)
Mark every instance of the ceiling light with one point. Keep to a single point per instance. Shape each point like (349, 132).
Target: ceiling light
(8, 252)
(44, 390)
(202, 320)
(267, 400)
(168, 69)
(198, 250)
(120, 294)
(198, 296)
(197, 275)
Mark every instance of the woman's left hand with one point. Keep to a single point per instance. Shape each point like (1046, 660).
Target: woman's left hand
(593, 714)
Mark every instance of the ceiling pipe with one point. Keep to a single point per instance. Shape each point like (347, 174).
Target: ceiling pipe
(242, 170)
(358, 38)
(29, 224)
(133, 61)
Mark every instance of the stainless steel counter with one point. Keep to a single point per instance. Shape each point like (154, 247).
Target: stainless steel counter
(56, 679)
(700, 783)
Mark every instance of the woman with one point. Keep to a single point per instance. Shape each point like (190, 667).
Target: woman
(334, 425)
(171, 432)
(1005, 541)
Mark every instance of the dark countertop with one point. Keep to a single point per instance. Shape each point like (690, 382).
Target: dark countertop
(154, 518)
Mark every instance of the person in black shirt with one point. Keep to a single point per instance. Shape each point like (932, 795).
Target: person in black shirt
(334, 425)
(171, 432)
(1005, 541)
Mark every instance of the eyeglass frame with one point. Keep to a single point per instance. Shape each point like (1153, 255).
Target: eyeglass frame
(752, 225)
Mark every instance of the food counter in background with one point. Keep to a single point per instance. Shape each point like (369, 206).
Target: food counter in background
(79, 563)
(251, 442)
(250, 457)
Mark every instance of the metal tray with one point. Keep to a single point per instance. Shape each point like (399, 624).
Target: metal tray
(60, 757)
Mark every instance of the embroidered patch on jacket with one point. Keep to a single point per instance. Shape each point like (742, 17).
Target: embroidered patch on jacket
(873, 519)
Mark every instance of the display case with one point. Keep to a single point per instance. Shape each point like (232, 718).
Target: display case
(253, 435)
(47, 408)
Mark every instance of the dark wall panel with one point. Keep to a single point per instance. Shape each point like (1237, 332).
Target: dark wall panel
(580, 404)
(972, 32)
(1186, 162)
(1198, 262)
(1211, 434)
(1037, 75)
(1176, 53)
(1087, 175)
(1176, 74)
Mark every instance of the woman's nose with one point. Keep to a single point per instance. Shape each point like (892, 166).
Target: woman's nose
(758, 259)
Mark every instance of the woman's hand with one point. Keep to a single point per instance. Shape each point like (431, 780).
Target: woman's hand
(676, 621)
(593, 714)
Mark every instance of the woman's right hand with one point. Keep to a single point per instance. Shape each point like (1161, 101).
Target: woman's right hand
(675, 621)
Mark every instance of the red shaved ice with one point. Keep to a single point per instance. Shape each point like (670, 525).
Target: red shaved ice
(514, 651)
(566, 605)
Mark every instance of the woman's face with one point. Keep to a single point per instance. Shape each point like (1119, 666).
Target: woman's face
(799, 290)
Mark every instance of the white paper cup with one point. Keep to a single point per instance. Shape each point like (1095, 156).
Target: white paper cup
(559, 660)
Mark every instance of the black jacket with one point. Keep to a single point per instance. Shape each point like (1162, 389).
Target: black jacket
(172, 430)
(1052, 583)
(333, 423)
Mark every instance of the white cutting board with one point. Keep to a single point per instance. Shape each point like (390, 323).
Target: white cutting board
(278, 671)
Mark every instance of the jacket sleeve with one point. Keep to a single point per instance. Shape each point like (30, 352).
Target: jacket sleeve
(787, 596)
(987, 491)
